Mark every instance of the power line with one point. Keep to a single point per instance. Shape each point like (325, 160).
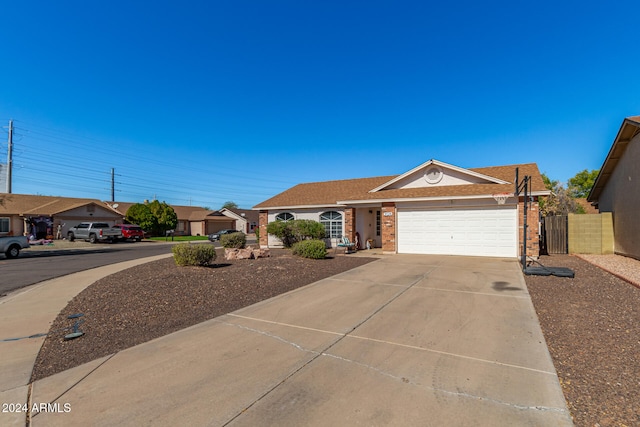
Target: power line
(76, 157)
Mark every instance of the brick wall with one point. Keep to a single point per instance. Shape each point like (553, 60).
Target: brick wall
(263, 220)
(533, 227)
(350, 224)
(389, 228)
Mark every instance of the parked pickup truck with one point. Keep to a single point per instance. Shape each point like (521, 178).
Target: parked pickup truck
(11, 245)
(94, 232)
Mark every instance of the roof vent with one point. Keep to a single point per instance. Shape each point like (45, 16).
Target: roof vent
(433, 175)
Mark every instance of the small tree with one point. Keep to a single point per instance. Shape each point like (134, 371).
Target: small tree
(580, 185)
(141, 214)
(155, 217)
(559, 202)
(166, 218)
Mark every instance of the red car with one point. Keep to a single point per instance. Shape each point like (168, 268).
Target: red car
(131, 232)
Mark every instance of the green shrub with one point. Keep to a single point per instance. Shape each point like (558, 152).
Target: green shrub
(314, 249)
(290, 232)
(186, 254)
(303, 229)
(282, 230)
(257, 231)
(233, 240)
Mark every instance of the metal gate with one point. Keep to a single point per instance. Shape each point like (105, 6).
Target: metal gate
(555, 234)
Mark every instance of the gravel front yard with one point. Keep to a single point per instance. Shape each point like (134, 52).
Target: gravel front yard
(157, 298)
(591, 323)
(592, 327)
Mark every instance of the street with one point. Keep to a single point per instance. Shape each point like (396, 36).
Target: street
(33, 266)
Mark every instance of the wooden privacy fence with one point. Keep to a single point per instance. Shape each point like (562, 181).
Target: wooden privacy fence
(555, 234)
(578, 234)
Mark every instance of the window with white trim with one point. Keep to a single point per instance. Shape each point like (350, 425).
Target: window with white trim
(4, 225)
(332, 222)
(284, 216)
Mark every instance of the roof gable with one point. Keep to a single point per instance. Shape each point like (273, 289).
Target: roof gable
(434, 173)
(359, 191)
(629, 129)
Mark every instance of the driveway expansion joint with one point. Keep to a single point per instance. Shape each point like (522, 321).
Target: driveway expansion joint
(323, 352)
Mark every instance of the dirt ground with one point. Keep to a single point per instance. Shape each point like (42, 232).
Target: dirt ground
(591, 323)
(155, 299)
(592, 326)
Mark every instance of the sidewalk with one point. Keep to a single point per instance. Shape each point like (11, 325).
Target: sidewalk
(30, 311)
(405, 340)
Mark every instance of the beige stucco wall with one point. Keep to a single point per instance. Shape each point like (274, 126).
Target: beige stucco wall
(366, 226)
(16, 225)
(591, 234)
(621, 195)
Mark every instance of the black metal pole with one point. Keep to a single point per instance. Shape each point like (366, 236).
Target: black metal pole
(524, 228)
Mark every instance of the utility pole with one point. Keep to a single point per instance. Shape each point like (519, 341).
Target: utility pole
(113, 185)
(9, 156)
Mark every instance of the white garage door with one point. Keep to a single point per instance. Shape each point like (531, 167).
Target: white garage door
(476, 232)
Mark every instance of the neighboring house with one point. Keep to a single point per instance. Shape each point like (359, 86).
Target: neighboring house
(588, 207)
(435, 208)
(617, 188)
(23, 214)
(246, 219)
(204, 222)
(193, 220)
(40, 216)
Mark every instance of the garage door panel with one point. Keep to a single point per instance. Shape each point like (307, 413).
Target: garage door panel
(480, 232)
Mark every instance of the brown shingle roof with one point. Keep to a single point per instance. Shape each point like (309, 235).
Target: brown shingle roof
(329, 193)
(26, 204)
(588, 207)
(249, 215)
(325, 193)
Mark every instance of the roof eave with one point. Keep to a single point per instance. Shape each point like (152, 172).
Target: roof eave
(623, 137)
(432, 198)
(273, 208)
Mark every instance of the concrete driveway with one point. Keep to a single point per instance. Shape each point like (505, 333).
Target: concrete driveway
(405, 340)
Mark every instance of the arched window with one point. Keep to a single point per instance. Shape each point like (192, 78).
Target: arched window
(284, 216)
(332, 222)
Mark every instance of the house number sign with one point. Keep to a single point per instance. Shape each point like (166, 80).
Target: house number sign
(388, 214)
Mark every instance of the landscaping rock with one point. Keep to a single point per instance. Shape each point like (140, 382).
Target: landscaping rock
(260, 253)
(244, 253)
(247, 253)
(230, 254)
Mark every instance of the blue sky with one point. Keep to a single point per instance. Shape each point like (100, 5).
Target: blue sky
(200, 102)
